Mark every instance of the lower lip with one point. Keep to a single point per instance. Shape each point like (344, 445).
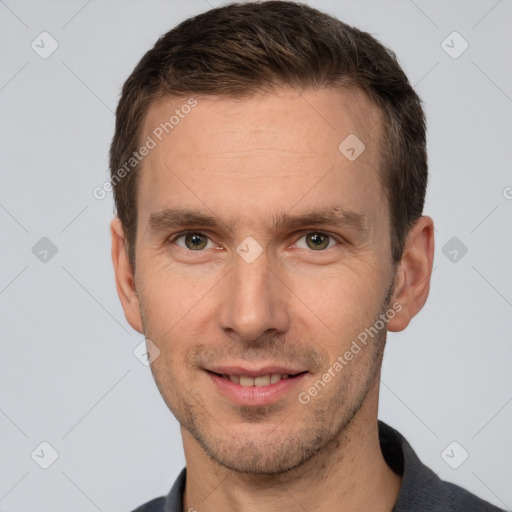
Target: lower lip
(255, 395)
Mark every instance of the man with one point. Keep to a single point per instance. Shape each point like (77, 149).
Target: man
(269, 170)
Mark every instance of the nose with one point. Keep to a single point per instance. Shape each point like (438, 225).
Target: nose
(254, 300)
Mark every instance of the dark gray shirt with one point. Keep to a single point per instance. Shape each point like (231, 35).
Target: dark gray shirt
(421, 491)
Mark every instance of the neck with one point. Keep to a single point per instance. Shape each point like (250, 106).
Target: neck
(349, 475)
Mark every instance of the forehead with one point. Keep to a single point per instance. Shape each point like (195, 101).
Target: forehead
(251, 154)
(296, 118)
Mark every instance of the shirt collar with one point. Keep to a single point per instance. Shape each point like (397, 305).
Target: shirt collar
(418, 482)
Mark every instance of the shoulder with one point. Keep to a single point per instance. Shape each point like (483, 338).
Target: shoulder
(421, 489)
(156, 505)
(439, 496)
(173, 502)
(463, 500)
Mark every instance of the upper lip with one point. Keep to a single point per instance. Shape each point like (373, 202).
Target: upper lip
(254, 372)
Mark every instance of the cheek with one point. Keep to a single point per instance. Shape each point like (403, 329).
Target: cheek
(171, 294)
(344, 299)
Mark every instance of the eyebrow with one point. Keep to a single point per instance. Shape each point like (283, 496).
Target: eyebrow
(171, 218)
(334, 216)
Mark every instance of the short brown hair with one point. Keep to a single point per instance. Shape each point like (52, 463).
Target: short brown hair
(244, 48)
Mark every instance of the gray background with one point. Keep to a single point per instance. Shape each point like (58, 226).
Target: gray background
(68, 374)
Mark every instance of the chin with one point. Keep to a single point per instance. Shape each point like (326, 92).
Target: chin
(261, 451)
(255, 461)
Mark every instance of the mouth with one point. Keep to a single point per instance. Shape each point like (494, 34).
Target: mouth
(258, 381)
(266, 386)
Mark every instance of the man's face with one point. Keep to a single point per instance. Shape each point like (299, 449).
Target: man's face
(293, 264)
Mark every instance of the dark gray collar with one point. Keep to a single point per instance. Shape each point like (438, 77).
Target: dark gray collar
(421, 491)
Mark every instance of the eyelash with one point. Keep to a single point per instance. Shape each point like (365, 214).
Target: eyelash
(302, 234)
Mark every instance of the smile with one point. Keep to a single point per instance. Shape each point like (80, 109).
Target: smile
(262, 380)
(259, 389)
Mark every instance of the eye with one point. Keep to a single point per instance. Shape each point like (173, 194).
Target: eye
(316, 241)
(193, 241)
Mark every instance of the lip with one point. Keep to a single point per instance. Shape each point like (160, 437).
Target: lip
(255, 395)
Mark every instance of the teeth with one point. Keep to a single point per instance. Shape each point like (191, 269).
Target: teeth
(246, 381)
(262, 380)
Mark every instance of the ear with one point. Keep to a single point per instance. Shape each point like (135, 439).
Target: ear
(412, 279)
(125, 280)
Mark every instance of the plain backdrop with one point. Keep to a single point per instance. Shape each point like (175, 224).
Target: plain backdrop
(68, 374)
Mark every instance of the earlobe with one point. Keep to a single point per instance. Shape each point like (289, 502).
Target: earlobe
(412, 279)
(125, 282)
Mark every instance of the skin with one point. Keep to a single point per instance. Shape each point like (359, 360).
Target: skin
(244, 162)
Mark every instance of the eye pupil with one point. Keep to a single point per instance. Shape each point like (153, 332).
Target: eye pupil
(195, 241)
(318, 241)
